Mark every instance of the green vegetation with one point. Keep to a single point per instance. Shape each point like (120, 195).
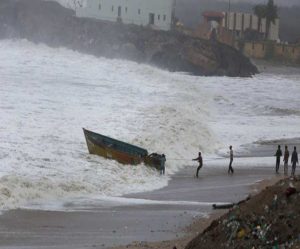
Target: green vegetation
(271, 14)
(260, 12)
(268, 11)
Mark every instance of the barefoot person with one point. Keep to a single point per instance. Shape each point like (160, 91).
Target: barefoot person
(230, 169)
(278, 154)
(294, 160)
(200, 161)
(286, 160)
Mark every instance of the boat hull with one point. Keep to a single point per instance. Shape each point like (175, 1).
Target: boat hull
(120, 151)
(109, 150)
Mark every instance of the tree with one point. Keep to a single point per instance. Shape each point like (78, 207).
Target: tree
(260, 12)
(271, 15)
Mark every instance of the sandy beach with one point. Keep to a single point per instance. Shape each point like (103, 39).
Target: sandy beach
(170, 216)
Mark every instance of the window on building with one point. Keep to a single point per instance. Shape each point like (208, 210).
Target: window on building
(112, 8)
(151, 18)
(165, 17)
(126, 9)
(243, 22)
(139, 11)
(158, 17)
(234, 21)
(119, 11)
(99, 7)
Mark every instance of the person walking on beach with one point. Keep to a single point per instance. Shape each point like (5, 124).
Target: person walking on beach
(162, 164)
(200, 161)
(230, 169)
(278, 154)
(286, 160)
(294, 160)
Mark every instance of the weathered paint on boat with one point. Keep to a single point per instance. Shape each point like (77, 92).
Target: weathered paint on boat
(120, 151)
(113, 149)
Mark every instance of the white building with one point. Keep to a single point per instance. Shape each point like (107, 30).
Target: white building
(158, 14)
(240, 22)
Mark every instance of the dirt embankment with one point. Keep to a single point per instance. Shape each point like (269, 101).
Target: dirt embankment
(270, 219)
(50, 23)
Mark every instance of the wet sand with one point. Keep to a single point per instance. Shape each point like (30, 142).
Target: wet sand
(165, 215)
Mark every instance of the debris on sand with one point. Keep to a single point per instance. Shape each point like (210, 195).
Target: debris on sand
(270, 219)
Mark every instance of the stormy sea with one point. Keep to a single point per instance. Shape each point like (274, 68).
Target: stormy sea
(47, 95)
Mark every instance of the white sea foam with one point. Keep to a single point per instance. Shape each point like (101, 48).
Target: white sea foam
(47, 95)
(248, 109)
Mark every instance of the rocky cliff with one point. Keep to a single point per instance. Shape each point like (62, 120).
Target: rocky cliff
(49, 23)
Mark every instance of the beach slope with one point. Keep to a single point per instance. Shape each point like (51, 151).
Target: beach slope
(270, 219)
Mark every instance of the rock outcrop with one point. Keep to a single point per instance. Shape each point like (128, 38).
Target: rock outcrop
(49, 23)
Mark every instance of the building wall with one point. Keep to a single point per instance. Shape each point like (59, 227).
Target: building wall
(239, 22)
(283, 52)
(254, 23)
(291, 52)
(203, 30)
(225, 36)
(255, 50)
(130, 11)
(263, 27)
(274, 31)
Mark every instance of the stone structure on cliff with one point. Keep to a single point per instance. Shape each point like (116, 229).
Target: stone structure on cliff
(50, 23)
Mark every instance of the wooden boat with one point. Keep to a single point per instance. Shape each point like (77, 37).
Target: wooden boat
(120, 151)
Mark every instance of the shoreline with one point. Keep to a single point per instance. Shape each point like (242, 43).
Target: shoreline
(200, 224)
(169, 216)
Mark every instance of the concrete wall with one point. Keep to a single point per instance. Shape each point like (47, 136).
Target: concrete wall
(255, 50)
(262, 50)
(290, 52)
(131, 11)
